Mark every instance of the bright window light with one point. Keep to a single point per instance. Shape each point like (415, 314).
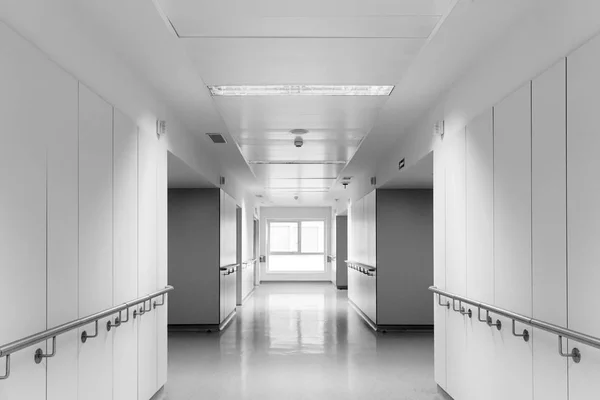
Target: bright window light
(301, 90)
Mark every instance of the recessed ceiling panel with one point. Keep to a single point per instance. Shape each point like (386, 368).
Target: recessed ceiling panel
(305, 8)
(310, 151)
(260, 115)
(307, 18)
(396, 26)
(265, 172)
(299, 184)
(279, 61)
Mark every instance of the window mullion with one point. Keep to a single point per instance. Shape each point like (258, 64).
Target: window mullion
(300, 237)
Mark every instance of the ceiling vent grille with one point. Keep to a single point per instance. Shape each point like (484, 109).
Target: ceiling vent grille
(216, 137)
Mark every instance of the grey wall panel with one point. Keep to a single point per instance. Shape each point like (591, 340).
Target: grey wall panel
(404, 257)
(194, 256)
(341, 251)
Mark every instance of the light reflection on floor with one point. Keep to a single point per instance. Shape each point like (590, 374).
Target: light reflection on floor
(300, 341)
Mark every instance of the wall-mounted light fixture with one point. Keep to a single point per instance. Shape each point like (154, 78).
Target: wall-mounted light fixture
(161, 128)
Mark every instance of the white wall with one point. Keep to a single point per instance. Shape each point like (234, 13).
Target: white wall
(59, 31)
(74, 170)
(531, 223)
(268, 213)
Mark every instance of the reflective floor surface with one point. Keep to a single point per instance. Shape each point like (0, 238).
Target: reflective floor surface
(293, 341)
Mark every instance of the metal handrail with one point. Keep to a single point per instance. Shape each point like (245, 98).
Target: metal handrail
(369, 267)
(560, 331)
(226, 267)
(20, 344)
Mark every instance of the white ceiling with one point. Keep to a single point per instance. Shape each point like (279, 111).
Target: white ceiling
(421, 46)
(312, 42)
(182, 176)
(417, 176)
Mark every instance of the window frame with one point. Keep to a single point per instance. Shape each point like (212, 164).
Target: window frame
(299, 252)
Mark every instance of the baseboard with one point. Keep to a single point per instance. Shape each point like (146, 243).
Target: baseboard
(193, 328)
(247, 296)
(294, 281)
(158, 394)
(227, 321)
(364, 316)
(444, 394)
(405, 328)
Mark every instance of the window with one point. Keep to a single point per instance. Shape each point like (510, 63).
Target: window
(297, 246)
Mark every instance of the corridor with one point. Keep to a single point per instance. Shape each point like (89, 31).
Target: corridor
(300, 341)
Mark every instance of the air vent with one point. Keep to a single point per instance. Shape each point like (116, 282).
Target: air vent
(347, 178)
(216, 137)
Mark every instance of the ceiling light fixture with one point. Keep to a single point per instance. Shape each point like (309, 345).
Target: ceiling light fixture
(291, 162)
(301, 90)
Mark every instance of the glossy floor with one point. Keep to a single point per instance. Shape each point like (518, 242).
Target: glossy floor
(300, 341)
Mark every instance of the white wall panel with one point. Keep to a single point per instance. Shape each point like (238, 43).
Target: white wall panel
(95, 203)
(61, 132)
(125, 151)
(583, 377)
(439, 219)
(480, 208)
(27, 82)
(162, 261)
(583, 193)
(455, 212)
(549, 369)
(549, 207)
(147, 277)
(512, 360)
(439, 264)
(480, 371)
(96, 363)
(583, 213)
(457, 368)
(512, 201)
(549, 241)
(95, 239)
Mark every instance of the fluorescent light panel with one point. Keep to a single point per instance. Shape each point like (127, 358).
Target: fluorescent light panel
(301, 90)
(266, 162)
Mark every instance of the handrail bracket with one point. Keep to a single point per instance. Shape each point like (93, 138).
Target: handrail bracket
(575, 354)
(7, 368)
(39, 353)
(85, 336)
(524, 335)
